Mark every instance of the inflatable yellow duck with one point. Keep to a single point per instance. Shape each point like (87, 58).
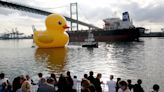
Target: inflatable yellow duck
(54, 35)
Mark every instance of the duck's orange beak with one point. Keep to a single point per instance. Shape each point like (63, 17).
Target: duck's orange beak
(65, 26)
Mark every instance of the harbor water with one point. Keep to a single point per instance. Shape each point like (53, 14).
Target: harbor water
(127, 60)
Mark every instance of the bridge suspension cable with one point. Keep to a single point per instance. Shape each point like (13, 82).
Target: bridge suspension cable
(65, 6)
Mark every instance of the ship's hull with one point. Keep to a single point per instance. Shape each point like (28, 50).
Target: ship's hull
(107, 35)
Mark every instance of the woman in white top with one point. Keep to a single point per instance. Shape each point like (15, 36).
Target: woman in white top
(123, 86)
(26, 87)
(4, 83)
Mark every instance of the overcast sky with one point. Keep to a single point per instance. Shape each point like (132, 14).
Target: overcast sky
(147, 13)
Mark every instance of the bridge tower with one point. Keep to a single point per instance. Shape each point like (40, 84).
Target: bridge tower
(74, 15)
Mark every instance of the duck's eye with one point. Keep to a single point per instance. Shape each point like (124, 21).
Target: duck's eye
(59, 23)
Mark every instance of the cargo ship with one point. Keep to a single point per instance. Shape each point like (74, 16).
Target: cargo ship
(115, 29)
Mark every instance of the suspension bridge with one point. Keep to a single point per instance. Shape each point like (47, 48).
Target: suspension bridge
(42, 12)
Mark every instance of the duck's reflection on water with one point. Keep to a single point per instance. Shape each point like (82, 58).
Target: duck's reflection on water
(55, 58)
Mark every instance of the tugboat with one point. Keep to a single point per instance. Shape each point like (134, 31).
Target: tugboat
(90, 41)
(33, 43)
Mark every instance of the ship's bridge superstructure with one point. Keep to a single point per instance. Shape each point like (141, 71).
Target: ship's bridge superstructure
(117, 23)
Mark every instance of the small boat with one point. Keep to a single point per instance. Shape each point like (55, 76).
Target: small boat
(90, 41)
(32, 46)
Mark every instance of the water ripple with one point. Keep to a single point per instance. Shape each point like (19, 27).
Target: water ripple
(128, 60)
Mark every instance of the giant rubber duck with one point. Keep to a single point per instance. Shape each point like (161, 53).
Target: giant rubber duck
(54, 35)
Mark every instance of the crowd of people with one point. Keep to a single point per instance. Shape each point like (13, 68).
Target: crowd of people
(67, 83)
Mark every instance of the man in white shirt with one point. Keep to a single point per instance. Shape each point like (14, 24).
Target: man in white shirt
(111, 84)
(75, 84)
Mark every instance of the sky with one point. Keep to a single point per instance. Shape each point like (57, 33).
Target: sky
(145, 13)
